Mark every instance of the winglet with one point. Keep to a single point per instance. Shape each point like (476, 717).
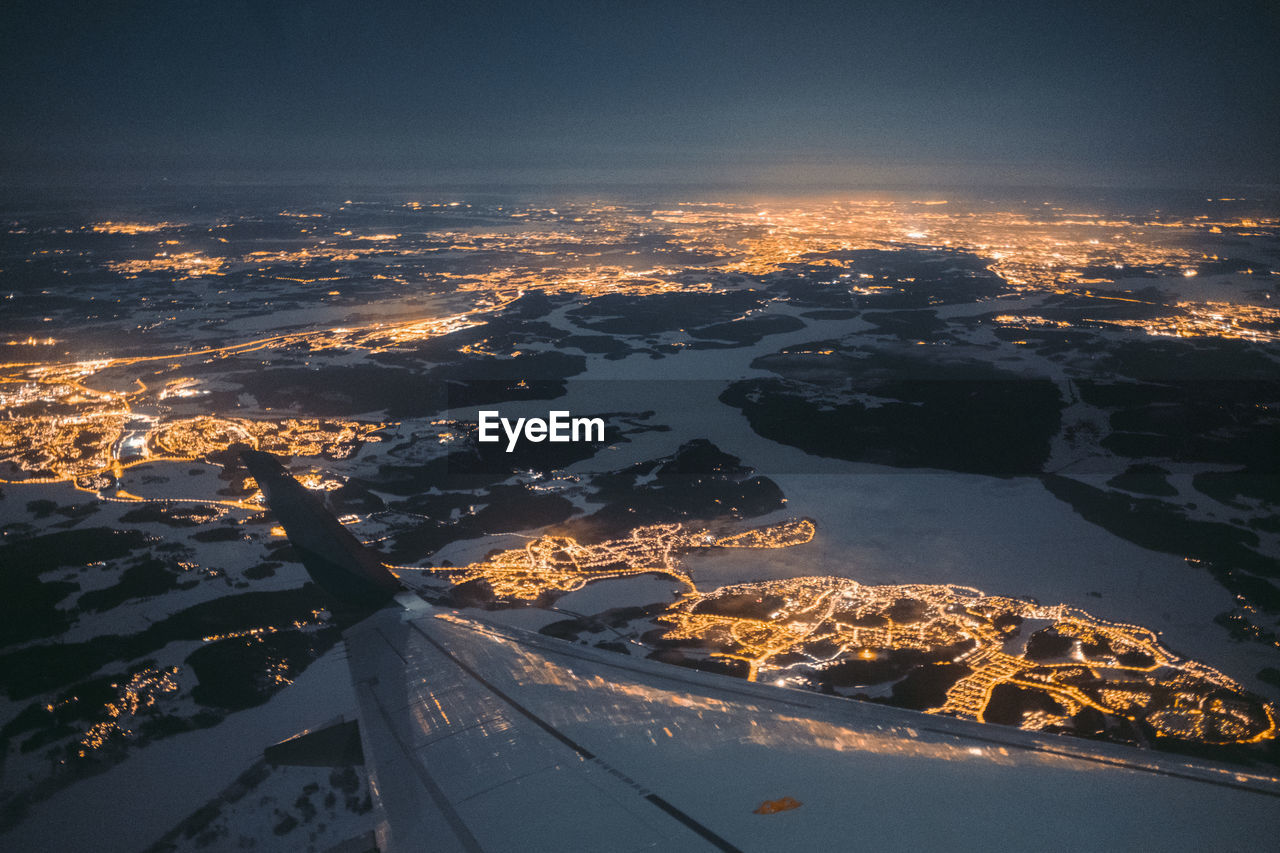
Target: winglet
(335, 559)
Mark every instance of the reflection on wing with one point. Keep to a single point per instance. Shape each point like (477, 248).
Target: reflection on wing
(499, 739)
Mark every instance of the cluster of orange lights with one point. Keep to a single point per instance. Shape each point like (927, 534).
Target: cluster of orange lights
(560, 564)
(791, 631)
(797, 628)
(139, 694)
(80, 422)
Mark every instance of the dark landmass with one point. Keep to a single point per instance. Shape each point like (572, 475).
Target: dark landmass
(957, 419)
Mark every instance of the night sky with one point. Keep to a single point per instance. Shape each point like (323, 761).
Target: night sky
(1161, 93)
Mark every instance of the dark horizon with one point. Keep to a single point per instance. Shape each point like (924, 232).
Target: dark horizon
(742, 94)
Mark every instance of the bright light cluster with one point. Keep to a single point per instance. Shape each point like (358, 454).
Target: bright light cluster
(801, 627)
(136, 696)
(560, 564)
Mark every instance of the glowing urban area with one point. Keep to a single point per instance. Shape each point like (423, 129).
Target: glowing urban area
(356, 287)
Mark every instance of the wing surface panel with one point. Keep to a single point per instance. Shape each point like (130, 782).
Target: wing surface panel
(537, 744)
(466, 770)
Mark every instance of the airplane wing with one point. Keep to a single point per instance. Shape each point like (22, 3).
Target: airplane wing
(480, 737)
(490, 738)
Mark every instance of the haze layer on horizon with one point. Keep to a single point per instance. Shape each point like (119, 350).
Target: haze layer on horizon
(750, 94)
